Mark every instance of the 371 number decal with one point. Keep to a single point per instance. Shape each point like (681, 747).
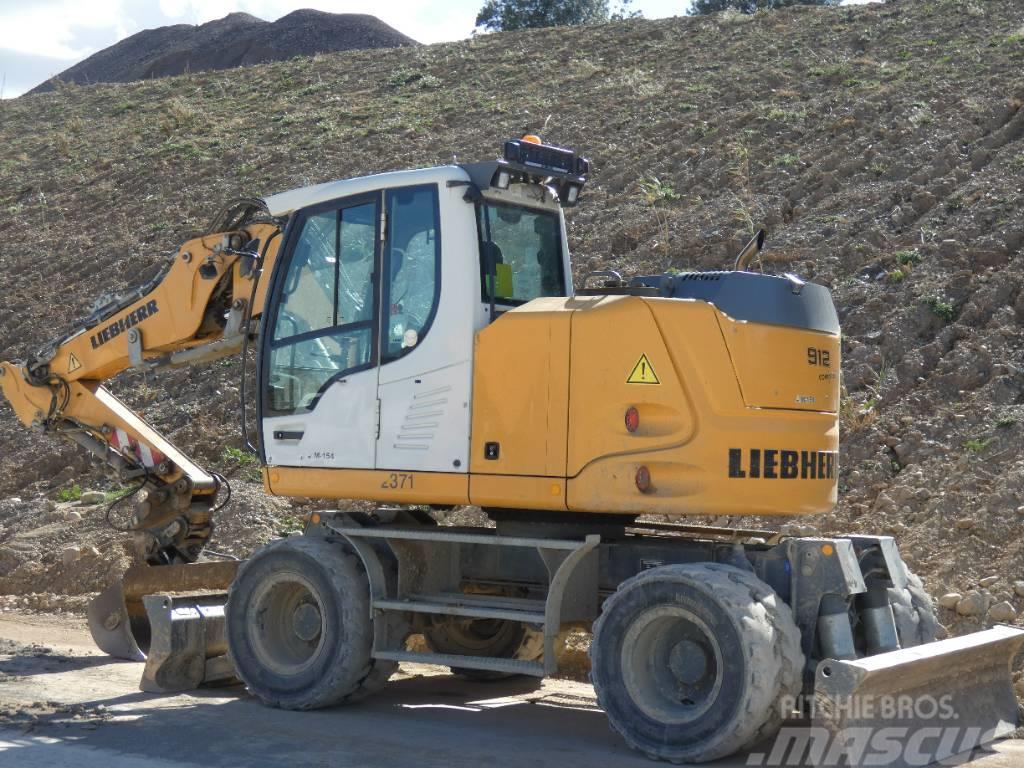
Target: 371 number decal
(398, 481)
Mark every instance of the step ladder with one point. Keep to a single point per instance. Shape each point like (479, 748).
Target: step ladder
(429, 577)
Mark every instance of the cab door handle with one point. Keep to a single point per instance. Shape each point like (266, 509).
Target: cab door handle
(281, 434)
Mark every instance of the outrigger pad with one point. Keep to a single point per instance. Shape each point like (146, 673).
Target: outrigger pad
(943, 699)
(188, 643)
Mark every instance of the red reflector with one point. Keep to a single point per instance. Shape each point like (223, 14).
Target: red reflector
(643, 479)
(632, 419)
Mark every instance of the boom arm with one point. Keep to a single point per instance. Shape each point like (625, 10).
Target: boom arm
(198, 309)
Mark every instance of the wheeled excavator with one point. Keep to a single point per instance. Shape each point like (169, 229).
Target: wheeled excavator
(420, 343)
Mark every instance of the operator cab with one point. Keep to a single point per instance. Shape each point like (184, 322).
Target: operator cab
(380, 287)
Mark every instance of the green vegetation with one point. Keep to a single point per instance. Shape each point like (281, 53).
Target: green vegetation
(750, 6)
(977, 446)
(119, 493)
(506, 15)
(786, 115)
(289, 525)
(1005, 422)
(941, 308)
(242, 462)
(910, 257)
(855, 416)
(405, 76)
(787, 160)
(655, 191)
(74, 493)
(896, 276)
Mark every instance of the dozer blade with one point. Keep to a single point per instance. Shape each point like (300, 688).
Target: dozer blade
(189, 642)
(117, 616)
(937, 700)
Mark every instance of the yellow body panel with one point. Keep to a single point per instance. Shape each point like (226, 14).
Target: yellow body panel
(373, 485)
(521, 391)
(513, 492)
(726, 424)
(772, 364)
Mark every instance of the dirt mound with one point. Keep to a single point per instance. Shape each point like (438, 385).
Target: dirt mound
(882, 146)
(237, 40)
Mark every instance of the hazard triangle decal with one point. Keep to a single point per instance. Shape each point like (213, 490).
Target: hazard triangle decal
(643, 373)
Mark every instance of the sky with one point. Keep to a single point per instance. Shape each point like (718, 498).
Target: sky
(39, 38)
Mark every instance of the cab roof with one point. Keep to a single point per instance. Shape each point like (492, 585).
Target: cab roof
(284, 203)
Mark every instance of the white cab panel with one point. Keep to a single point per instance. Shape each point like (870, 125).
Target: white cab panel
(425, 395)
(340, 432)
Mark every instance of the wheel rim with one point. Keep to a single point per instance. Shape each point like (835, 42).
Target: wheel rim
(287, 631)
(671, 664)
(480, 635)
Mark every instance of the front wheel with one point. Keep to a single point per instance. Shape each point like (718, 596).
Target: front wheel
(299, 628)
(693, 662)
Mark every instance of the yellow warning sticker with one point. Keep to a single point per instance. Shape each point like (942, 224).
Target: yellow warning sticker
(643, 373)
(73, 364)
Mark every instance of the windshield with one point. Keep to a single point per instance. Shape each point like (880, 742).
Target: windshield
(520, 253)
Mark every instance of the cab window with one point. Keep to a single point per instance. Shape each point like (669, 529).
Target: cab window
(325, 315)
(520, 253)
(413, 261)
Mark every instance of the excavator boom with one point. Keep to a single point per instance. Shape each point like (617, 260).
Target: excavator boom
(199, 308)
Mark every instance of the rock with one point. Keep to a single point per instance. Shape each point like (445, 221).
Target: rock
(884, 503)
(1002, 612)
(73, 515)
(69, 555)
(972, 603)
(923, 202)
(1018, 588)
(14, 500)
(950, 599)
(988, 581)
(965, 523)
(92, 497)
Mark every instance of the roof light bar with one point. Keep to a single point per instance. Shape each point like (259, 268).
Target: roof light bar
(528, 160)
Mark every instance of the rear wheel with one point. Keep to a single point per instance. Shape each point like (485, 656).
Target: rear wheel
(692, 662)
(494, 638)
(914, 611)
(299, 628)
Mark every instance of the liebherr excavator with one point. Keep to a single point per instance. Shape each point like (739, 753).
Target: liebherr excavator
(420, 344)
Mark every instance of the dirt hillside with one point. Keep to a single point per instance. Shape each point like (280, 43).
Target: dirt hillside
(881, 145)
(237, 40)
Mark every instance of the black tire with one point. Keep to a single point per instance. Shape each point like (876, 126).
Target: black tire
(494, 638)
(914, 611)
(299, 628)
(738, 631)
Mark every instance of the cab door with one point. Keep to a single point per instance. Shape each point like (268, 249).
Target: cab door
(320, 340)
